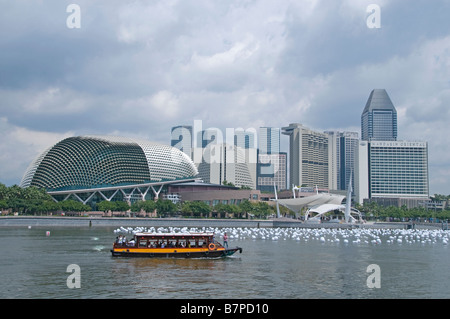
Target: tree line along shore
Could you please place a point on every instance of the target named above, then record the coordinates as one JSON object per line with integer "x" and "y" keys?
{"x": 35, "y": 201}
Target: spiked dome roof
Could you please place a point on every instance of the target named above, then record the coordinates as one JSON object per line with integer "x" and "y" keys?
{"x": 85, "y": 162}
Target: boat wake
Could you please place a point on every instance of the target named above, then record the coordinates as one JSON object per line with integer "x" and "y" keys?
{"x": 98, "y": 248}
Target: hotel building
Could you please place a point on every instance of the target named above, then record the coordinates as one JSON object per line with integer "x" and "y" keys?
{"x": 392, "y": 170}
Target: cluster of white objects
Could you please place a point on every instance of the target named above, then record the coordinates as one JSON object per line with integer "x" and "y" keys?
{"x": 325, "y": 235}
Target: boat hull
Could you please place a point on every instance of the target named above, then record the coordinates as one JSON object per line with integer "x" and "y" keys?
{"x": 126, "y": 252}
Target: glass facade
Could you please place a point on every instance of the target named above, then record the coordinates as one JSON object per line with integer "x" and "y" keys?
{"x": 379, "y": 118}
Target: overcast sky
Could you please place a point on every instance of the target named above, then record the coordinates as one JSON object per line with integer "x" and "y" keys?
{"x": 137, "y": 68}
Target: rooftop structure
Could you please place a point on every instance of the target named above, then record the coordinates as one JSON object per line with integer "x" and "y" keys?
{"x": 379, "y": 118}
{"x": 107, "y": 166}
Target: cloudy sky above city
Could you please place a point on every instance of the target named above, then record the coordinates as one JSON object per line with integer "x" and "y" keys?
{"x": 137, "y": 68}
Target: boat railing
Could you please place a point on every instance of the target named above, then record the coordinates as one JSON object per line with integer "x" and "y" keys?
{"x": 137, "y": 245}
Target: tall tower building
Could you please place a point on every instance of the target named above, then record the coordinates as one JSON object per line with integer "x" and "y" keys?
{"x": 209, "y": 136}
{"x": 230, "y": 163}
{"x": 181, "y": 138}
{"x": 342, "y": 156}
{"x": 271, "y": 163}
{"x": 308, "y": 156}
{"x": 269, "y": 140}
{"x": 244, "y": 139}
{"x": 379, "y": 118}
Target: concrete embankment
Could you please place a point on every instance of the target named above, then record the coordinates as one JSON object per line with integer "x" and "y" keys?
{"x": 19, "y": 221}
{"x": 25, "y": 221}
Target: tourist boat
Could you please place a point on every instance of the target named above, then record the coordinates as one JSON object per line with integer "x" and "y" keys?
{"x": 180, "y": 245}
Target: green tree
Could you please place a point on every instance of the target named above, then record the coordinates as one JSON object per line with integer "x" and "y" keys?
{"x": 165, "y": 206}
{"x": 262, "y": 209}
{"x": 246, "y": 206}
{"x": 3, "y": 191}
{"x": 3, "y": 204}
{"x": 106, "y": 206}
{"x": 197, "y": 208}
{"x": 121, "y": 206}
{"x": 74, "y": 206}
{"x": 48, "y": 206}
{"x": 147, "y": 206}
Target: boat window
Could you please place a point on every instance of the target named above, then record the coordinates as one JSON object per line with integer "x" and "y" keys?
{"x": 143, "y": 243}
{"x": 172, "y": 243}
{"x": 193, "y": 242}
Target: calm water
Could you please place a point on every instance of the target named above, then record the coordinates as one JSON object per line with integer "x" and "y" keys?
{"x": 34, "y": 265}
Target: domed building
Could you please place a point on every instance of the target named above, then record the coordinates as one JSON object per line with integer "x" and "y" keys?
{"x": 96, "y": 168}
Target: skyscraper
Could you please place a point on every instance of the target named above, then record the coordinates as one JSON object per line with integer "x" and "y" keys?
{"x": 269, "y": 140}
{"x": 271, "y": 163}
{"x": 181, "y": 138}
{"x": 230, "y": 163}
{"x": 308, "y": 156}
{"x": 342, "y": 157}
{"x": 379, "y": 118}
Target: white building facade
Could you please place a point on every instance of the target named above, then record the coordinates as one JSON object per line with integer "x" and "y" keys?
{"x": 392, "y": 169}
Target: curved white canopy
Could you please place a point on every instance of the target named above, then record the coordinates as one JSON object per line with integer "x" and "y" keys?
{"x": 321, "y": 210}
{"x": 325, "y": 208}
{"x": 296, "y": 204}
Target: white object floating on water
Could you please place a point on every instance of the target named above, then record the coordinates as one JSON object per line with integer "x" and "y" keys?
{"x": 359, "y": 236}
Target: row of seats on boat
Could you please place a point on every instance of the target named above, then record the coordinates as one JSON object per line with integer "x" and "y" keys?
{"x": 122, "y": 242}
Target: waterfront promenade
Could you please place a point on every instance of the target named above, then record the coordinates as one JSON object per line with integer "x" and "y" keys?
{"x": 48, "y": 221}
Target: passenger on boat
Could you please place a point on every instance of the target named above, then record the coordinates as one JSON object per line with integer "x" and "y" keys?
{"x": 225, "y": 240}
{"x": 121, "y": 240}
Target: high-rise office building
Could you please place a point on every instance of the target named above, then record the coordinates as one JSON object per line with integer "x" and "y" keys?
{"x": 271, "y": 163}
{"x": 269, "y": 140}
{"x": 342, "y": 155}
{"x": 388, "y": 171}
{"x": 181, "y": 138}
{"x": 379, "y": 118}
{"x": 245, "y": 138}
{"x": 225, "y": 162}
{"x": 209, "y": 136}
{"x": 231, "y": 158}
{"x": 308, "y": 156}
{"x": 272, "y": 169}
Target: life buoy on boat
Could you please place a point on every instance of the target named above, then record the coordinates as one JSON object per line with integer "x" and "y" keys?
{"x": 211, "y": 246}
